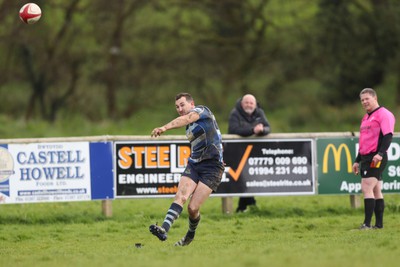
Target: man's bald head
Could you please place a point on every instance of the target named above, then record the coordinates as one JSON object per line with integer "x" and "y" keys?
{"x": 249, "y": 103}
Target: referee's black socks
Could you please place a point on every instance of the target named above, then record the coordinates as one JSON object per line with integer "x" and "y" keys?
{"x": 379, "y": 208}
{"x": 369, "y": 207}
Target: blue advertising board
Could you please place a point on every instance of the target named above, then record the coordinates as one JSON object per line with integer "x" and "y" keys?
{"x": 54, "y": 172}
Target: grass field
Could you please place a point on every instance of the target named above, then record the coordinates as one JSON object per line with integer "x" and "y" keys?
{"x": 282, "y": 231}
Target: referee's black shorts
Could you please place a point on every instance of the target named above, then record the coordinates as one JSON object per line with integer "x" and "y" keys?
{"x": 368, "y": 171}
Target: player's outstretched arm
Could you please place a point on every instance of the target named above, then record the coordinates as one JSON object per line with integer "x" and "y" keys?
{"x": 176, "y": 123}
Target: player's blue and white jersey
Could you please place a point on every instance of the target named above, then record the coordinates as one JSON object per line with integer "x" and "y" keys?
{"x": 204, "y": 136}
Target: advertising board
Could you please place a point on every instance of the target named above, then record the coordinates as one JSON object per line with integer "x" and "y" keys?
{"x": 335, "y": 157}
{"x": 256, "y": 167}
{"x": 52, "y": 172}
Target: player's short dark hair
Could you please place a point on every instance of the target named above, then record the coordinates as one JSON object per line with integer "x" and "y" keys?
{"x": 188, "y": 97}
{"x": 368, "y": 91}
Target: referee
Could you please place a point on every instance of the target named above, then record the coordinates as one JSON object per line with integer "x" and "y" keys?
{"x": 376, "y": 133}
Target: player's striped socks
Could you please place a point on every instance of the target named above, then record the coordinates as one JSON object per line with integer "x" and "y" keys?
{"x": 172, "y": 214}
{"x": 193, "y": 223}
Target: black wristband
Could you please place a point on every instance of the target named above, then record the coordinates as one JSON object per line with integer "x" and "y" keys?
{"x": 358, "y": 158}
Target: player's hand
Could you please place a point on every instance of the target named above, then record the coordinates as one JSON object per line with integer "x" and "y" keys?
{"x": 356, "y": 168}
{"x": 158, "y": 131}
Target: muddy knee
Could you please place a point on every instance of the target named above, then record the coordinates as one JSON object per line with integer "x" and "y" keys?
{"x": 193, "y": 211}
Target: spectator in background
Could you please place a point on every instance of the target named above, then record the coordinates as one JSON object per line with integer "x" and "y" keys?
{"x": 376, "y": 133}
{"x": 247, "y": 119}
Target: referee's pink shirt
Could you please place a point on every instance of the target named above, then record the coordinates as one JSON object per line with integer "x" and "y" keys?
{"x": 380, "y": 120}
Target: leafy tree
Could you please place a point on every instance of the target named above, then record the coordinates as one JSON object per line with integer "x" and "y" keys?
{"x": 110, "y": 59}
{"x": 45, "y": 58}
{"x": 357, "y": 40}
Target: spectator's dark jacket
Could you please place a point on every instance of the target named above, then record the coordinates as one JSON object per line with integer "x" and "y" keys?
{"x": 242, "y": 124}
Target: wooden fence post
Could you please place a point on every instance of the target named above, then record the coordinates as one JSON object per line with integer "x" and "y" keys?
{"x": 355, "y": 201}
{"x": 107, "y": 207}
{"x": 227, "y": 205}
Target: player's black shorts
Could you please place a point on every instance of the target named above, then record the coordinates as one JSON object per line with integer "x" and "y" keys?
{"x": 367, "y": 170}
{"x": 209, "y": 172}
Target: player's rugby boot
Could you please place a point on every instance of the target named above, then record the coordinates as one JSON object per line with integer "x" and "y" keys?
{"x": 184, "y": 241}
{"x": 158, "y": 231}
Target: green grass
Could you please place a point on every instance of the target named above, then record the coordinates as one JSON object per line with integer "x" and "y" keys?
{"x": 282, "y": 231}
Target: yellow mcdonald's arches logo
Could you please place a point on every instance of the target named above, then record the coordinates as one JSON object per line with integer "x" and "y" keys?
{"x": 337, "y": 154}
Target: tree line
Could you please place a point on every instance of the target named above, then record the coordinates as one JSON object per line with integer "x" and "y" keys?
{"x": 110, "y": 59}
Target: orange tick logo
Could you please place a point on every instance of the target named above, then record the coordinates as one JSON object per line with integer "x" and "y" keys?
{"x": 236, "y": 174}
